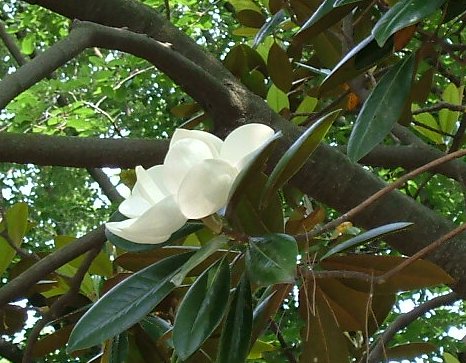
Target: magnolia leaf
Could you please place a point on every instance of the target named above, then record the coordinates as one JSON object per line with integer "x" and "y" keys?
{"x": 322, "y": 339}
{"x": 295, "y": 157}
{"x": 119, "y": 353}
{"x": 428, "y": 120}
{"x": 450, "y": 358}
{"x": 279, "y": 67}
{"x": 250, "y": 18}
{"x": 404, "y": 13}
{"x": 418, "y": 275}
{"x": 126, "y": 304}
{"x": 271, "y": 259}
{"x": 269, "y": 27}
{"x": 368, "y": 236}
{"x": 204, "y": 252}
{"x": 374, "y": 122}
{"x": 258, "y": 348}
{"x": 307, "y": 105}
{"x": 236, "y": 332}
{"x": 448, "y": 118}
{"x": 202, "y": 309}
{"x": 409, "y": 351}
{"x": 17, "y": 224}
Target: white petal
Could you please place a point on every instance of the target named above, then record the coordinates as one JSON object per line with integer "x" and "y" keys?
{"x": 214, "y": 143}
{"x": 181, "y": 157}
{"x": 134, "y": 206}
{"x": 149, "y": 184}
{"x": 154, "y": 226}
{"x": 243, "y": 141}
{"x": 205, "y": 189}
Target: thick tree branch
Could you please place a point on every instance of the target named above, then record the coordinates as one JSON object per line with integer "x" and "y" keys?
{"x": 10, "y": 351}
{"x": 21, "y": 284}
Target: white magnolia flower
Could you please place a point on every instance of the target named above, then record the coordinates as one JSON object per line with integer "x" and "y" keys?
{"x": 194, "y": 182}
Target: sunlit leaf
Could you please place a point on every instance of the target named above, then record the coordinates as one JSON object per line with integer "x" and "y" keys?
{"x": 277, "y": 99}
{"x": 448, "y": 118}
{"x": 409, "y": 351}
{"x": 367, "y": 237}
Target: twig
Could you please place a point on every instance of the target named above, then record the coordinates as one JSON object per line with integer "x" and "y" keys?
{"x": 440, "y": 106}
{"x": 379, "y": 194}
{"x": 326, "y": 109}
{"x": 285, "y": 347}
{"x": 421, "y": 253}
{"x": 107, "y": 187}
{"x": 12, "y": 46}
{"x": 58, "y": 306}
{"x": 403, "y": 321}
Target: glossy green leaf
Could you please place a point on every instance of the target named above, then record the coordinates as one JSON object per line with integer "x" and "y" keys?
{"x": 295, "y": 157}
{"x": 448, "y": 118}
{"x": 450, "y": 358}
{"x": 409, "y": 351}
{"x": 126, "y": 304}
{"x": 250, "y": 18}
{"x": 358, "y": 60}
{"x": 279, "y": 68}
{"x": 28, "y": 44}
{"x": 155, "y": 326}
{"x": 202, "y": 309}
{"x": 404, "y": 13}
{"x": 277, "y": 99}
{"x": 271, "y": 259}
{"x": 236, "y": 332}
{"x": 204, "y": 252}
{"x": 268, "y": 27}
{"x": 367, "y": 237}
{"x": 382, "y": 109}
{"x": 260, "y": 347}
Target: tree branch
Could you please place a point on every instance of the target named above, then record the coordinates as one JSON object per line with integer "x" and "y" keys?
{"x": 20, "y": 285}
{"x": 107, "y": 187}
{"x": 10, "y": 351}
{"x": 377, "y": 351}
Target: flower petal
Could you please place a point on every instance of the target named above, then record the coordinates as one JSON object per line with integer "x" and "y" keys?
{"x": 243, "y": 141}
{"x": 205, "y": 189}
{"x": 134, "y": 206}
{"x": 214, "y": 143}
{"x": 149, "y": 184}
{"x": 181, "y": 157}
{"x": 155, "y": 226}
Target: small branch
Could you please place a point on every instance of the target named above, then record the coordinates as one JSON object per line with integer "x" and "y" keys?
{"x": 378, "y": 348}
{"x": 58, "y": 306}
{"x": 379, "y": 194}
{"x": 440, "y": 106}
{"x": 326, "y": 109}
{"x": 10, "y": 351}
{"x": 285, "y": 347}
{"x": 107, "y": 187}
{"x": 20, "y": 285}
{"x": 12, "y": 46}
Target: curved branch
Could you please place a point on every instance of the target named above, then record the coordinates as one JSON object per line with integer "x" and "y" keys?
{"x": 21, "y": 284}
{"x": 377, "y": 351}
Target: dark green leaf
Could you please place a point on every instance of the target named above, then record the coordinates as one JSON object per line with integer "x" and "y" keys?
{"x": 250, "y": 18}
{"x": 295, "y": 157}
{"x": 200, "y": 256}
{"x": 268, "y": 27}
{"x": 155, "y": 326}
{"x": 271, "y": 259}
{"x": 279, "y": 68}
{"x": 401, "y": 15}
{"x": 202, "y": 309}
{"x": 17, "y": 222}
{"x": 368, "y": 237}
{"x": 358, "y": 60}
{"x": 236, "y": 333}
{"x": 126, "y": 303}
{"x": 382, "y": 109}
{"x": 119, "y": 352}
